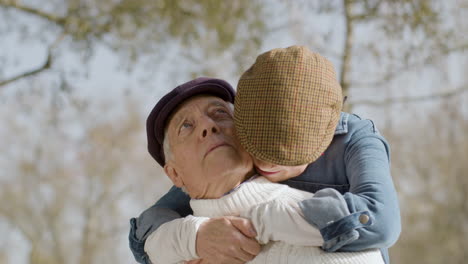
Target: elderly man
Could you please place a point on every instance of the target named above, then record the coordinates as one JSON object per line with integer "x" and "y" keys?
{"x": 203, "y": 156}
{"x": 218, "y": 231}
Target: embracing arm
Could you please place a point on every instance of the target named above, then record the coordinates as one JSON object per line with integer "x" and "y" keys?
{"x": 372, "y": 190}
{"x": 374, "y": 217}
{"x": 219, "y": 240}
{"x": 171, "y": 206}
{"x": 174, "y": 241}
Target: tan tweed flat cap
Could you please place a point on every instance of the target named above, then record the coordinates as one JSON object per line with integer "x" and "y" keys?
{"x": 287, "y": 106}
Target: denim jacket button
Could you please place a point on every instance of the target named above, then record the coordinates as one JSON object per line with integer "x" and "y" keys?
{"x": 363, "y": 219}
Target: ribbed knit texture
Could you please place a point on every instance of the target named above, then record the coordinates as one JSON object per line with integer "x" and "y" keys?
{"x": 250, "y": 193}
{"x": 260, "y": 191}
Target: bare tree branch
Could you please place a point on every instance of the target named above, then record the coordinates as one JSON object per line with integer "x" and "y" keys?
{"x": 46, "y": 65}
{"x": 346, "y": 55}
{"x": 50, "y": 17}
{"x": 412, "y": 99}
{"x": 371, "y": 11}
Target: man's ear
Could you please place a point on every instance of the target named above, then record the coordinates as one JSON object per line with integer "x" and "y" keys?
{"x": 173, "y": 174}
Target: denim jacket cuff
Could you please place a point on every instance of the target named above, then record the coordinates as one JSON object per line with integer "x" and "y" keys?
{"x": 343, "y": 231}
{"x": 137, "y": 246}
{"x": 338, "y": 242}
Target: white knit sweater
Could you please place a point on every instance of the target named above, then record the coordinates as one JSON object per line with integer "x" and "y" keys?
{"x": 287, "y": 237}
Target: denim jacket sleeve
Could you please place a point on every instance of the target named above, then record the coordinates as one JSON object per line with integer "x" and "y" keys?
{"x": 372, "y": 201}
{"x": 172, "y": 205}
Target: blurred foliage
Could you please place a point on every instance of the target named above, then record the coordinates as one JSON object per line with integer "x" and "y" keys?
{"x": 407, "y": 35}
{"x": 75, "y": 162}
{"x": 138, "y": 28}
{"x": 65, "y": 193}
{"x": 430, "y": 168}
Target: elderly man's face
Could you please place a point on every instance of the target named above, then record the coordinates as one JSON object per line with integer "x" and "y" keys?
{"x": 206, "y": 157}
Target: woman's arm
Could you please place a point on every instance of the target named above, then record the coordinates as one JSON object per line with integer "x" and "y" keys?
{"x": 371, "y": 200}
{"x": 171, "y": 206}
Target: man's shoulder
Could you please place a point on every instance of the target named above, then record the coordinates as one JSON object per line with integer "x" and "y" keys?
{"x": 353, "y": 124}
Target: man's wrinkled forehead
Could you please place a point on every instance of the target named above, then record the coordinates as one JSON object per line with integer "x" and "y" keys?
{"x": 184, "y": 108}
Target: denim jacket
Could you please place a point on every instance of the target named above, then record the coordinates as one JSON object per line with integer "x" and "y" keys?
{"x": 354, "y": 173}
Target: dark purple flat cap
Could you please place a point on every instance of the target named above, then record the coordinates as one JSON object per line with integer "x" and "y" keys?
{"x": 157, "y": 119}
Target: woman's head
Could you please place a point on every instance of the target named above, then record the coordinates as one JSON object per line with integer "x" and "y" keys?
{"x": 287, "y": 107}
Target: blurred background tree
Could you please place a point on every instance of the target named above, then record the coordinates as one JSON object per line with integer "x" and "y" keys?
{"x": 431, "y": 155}
{"x": 78, "y": 78}
{"x": 136, "y": 28}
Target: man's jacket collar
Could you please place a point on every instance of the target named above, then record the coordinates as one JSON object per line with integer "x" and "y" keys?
{"x": 342, "y": 127}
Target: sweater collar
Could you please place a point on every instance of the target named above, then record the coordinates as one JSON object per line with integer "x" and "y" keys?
{"x": 257, "y": 190}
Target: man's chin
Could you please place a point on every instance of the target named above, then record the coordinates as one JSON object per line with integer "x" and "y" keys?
{"x": 221, "y": 152}
{"x": 222, "y": 157}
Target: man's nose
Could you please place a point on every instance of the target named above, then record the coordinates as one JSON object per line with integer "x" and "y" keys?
{"x": 213, "y": 130}
{"x": 209, "y": 127}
